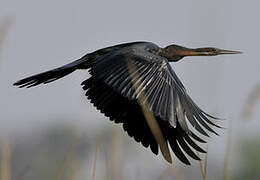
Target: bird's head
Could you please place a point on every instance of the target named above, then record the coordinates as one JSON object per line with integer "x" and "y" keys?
{"x": 176, "y": 52}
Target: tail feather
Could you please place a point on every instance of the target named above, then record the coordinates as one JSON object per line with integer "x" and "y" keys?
{"x": 49, "y": 76}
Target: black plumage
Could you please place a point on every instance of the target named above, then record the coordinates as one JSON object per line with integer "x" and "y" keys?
{"x": 116, "y": 91}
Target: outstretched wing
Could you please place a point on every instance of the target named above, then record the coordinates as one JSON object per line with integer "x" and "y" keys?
{"x": 122, "y": 110}
{"x": 131, "y": 72}
{"x": 117, "y": 82}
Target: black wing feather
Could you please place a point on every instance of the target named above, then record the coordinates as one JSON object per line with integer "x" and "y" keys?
{"x": 164, "y": 93}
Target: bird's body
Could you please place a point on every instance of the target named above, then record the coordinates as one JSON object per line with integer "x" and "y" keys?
{"x": 126, "y": 77}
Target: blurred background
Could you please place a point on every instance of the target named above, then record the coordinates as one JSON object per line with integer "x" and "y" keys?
{"x": 53, "y": 132}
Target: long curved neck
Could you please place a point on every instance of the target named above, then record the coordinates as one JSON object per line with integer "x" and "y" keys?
{"x": 175, "y": 54}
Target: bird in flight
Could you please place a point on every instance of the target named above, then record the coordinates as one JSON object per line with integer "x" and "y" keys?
{"x": 133, "y": 82}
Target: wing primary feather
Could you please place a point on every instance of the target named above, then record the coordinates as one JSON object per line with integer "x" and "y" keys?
{"x": 187, "y": 149}
{"x": 141, "y": 82}
{"x": 181, "y": 116}
{"x": 128, "y": 89}
{"x": 150, "y": 87}
{"x": 193, "y": 144}
{"x": 145, "y": 81}
{"x": 167, "y": 98}
{"x": 167, "y": 106}
{"x": 162, "y": 101}
{"x": 195, "y": 124}
{"x": 155, "y": 95}
{"x": 172, "y": 115}
{"x": 177, "y": 151}
{"x": 207, "y": 120}
{"x": 202, "y": 122}
{"x": 194, "y": 136}
{"x": 154, "y": 146}
{"x": 151, "y": 91}
{"x": 191, "y": 118}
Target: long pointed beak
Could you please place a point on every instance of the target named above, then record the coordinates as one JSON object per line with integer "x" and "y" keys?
{"x": 222, "y": 51}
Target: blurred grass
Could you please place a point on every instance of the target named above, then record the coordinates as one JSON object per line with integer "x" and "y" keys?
{"x": 173, "y": 171}
{"x": 106, "y": 164}
{"x": 206, "y": 160}
{"x": 116, "y": 153}
{"x": 95, "y": 163}
{"x": 5, "y": 143}
{"x": 5, "y": 26}
{"x": 248, "y": 159}
{"x": 114, "y": 162}
{"x": 23, "y": 173}
{"x": 54, "y": 153}
{"x": 6, "y": 160}
{"x": 203, "y": 167}
{"x": 227, "y": 168}
{"x": 67, "y": 159}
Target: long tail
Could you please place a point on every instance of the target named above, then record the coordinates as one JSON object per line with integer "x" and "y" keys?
{"x": 50, "y": 76}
